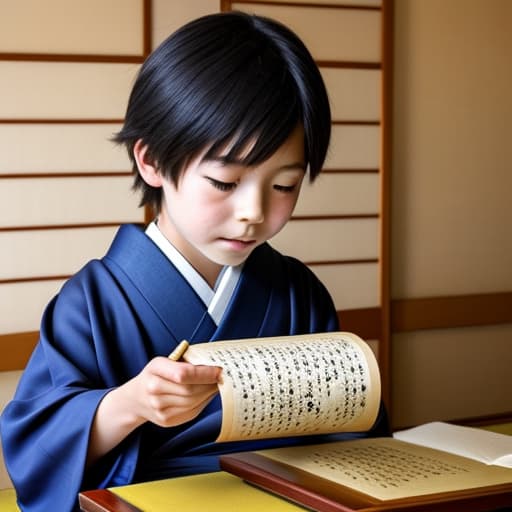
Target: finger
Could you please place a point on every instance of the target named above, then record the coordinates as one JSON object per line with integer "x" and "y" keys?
{"x": 186, "y": 373}
{"x": 166, "y": 406}
{"x": 176, "y": 415}
{"x": 180, "y": 393}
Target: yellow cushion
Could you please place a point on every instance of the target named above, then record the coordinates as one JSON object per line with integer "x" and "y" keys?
{"x": 8, "y": 501}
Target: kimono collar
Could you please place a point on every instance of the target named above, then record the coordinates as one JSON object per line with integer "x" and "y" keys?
{"x": 217, "y": 299}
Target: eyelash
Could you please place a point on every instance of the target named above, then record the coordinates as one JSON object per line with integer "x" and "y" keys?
{"x": 222, "y": 185}
{"x": 226, "y": 187}
{"x": 285, "y": 189}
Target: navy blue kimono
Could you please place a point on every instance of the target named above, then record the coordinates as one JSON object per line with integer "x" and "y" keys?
{"x": 102, "y": 328}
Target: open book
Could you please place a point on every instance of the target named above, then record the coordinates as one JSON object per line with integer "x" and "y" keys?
{"x": 474, "y": 443}
{"x": 412, "y": 471}
{"x": 293, "y": 385}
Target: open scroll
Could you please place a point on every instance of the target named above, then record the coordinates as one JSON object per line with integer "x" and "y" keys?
{"x": 293, "y": 385}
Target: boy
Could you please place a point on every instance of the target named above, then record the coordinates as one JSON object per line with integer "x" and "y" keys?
{"x": 224, "y": 121}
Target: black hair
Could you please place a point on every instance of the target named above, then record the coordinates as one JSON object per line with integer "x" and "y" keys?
{"x": 225, "y": 79}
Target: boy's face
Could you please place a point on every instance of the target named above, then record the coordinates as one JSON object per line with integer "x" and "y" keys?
{"x": 220, "y": 211}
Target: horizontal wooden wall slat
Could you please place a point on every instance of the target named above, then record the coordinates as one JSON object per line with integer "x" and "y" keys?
{"x": 91, "y": 174}
{"x": 355, "y": 122}
{"x": 348, "y": 64}
{"x": 33, "y": 279}
{"x": 337, "y": 217}
{"x": 114, "y": 223}
{"x": 68, "y": 57}
{"x": 366, "y": 322}
{"x": 64, "y": 226}
{"x": 16, "y": 348}
{"x": 351, "y": 171}
{"x": 330, "y": 5}
{"x": 308, "y": 263}
{"x": 60, "y": 121}
{"x": 407, "y": 315}
{"x": 341, "y": 262}
{"x": 449, "y": 312}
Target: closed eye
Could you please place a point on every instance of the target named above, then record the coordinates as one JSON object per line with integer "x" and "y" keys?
{"x": 285, "y": 188}
{"x": 221, "y": 185}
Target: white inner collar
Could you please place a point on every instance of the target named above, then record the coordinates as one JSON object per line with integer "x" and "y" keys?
{"x": 217, "y": 299}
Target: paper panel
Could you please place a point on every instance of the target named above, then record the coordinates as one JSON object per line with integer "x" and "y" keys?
{"x": 169, "y": 16}
{"x": 61, "y": 26}
{"x": 22, "y": 304}
{"x": 53, "y": 90}
{"x": 328, "y": 240}
{"x": 51, "y": 252}
{"x": 329, "y": 33}
{"x": 41, "y": 202}
{"x": 340, "y": 194}
{"x": 60, "y": 148}
{"x": 354, "y": 93}
{"x": 354, "y": 147}
{"x": 351, "y": 286}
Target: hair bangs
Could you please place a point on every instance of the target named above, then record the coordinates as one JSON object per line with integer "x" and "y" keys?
{"x": 257, "y": 114}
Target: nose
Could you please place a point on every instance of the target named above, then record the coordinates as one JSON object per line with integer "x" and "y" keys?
{"x": 249, "y": 206}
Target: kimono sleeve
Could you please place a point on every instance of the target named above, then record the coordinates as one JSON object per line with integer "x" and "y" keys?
{"x": 45, "y": 429}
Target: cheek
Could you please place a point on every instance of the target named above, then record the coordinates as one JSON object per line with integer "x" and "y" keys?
{"x": 280, "y": 212}
{"x": 211, "y": 210}
{"x": 203, "y": 203}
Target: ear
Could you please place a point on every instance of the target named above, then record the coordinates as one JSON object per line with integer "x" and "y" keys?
{"x": 147, "y": 169}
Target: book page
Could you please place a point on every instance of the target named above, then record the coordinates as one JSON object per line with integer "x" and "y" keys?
{"x": 386, "y": 468}
{"x": 293, "y": 385}
{"x": 485, "y": 446}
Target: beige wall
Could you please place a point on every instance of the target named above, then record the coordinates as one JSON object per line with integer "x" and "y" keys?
{"x": 451, "y": 207}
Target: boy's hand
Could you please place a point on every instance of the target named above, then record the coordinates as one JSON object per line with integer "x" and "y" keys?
{"x": 170, "y": 393}
{"x": 165, "y": 392}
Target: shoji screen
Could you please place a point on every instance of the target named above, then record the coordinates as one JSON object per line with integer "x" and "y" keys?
{"x": 66, "y": 70}
{"x": 339, "y": 227}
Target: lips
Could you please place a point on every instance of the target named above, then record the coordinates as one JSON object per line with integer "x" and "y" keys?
{"x": 248, "y": 242}
{"x": 237, "y": 243}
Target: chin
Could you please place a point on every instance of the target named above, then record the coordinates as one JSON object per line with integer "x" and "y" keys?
{"x": 231, "y": 260}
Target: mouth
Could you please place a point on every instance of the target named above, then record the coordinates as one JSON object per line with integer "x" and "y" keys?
{"x": 238, "y": 243}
